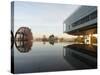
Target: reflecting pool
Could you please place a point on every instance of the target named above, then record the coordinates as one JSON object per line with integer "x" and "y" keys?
{"x": 44, "y": 56}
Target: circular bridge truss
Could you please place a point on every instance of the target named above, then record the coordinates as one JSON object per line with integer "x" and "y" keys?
{"x": 23, "y": 39}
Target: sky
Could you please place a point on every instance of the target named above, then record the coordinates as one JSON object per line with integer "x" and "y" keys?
{"x": 42, "y": 18}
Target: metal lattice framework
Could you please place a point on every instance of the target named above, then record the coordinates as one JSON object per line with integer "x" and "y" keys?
{"x": 23, "y": 39}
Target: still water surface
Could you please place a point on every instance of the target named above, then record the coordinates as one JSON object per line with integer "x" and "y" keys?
{"x": 43, "y": 57}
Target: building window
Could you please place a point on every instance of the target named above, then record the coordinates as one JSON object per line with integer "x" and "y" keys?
{"x": 87, "y": 18}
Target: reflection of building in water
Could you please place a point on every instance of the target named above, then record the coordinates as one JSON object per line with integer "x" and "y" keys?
{"x": 23, "y": 33}
{"x": 83, "y": 22}
{"x": 81, "y": 56}
{"x": 23, "y": 46}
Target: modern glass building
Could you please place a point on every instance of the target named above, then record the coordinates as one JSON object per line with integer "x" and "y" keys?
{"x": 83, "y": 22}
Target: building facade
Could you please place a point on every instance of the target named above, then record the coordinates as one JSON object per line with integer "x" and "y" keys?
{"x": 82, "y": 22}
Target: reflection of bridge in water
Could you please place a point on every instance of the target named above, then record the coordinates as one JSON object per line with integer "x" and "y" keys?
{"x": 23, "y": 46}
{"x": 81, "y": 56}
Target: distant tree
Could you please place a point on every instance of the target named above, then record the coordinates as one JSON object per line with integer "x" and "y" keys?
{"x": 51, "y": 38}
{"x": 56, "y": 39}
{"x": 44, "y": 38}
{"x": 61, "y": 39}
